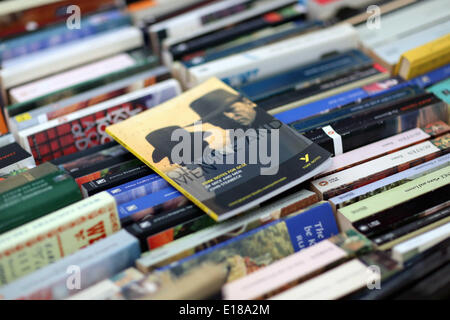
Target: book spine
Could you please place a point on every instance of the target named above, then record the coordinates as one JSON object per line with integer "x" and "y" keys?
{"x": 352, "y": 178}
{"x": 55, "y": 36}
{"x": 252, "y": 41}
{"x": 221, "y": 36}
{"x": 118, "y": 175}
{"x": 257, "y": 64}
{"x": 408, "y": 249}
{"x": 150, "y": 205}
{"x": 71, "y": 55}
{"x": 397, "y": 196}
{"x": 90, "y": 162}
{"x": 109, "y": 289}
{"x": 298, "y": 267}
{"x": 13, "y": 157}
{"x": 333, "y": 102}
{"x": 427, "y": 219}
{"x": 103, "y": 259}
{"x": 382, "y": 123}
{"x": 114, "y": 72}
{"x": 137, "y": 188}
{"x": 85, "y": 128}
{"x": 249, "y": 250}
{"x": 390, "y": 219}
{"x": 63, "y": 232}
{"x": 426, "y": 58}
{"x": 301, "y": 77}
{"x": 432, "y": 77}
{"x": 442, "y": 90}
{"x": 334, "y": 284}
{"x": 385, "y": 146}
{"x": 309, "y": 120}
{"x": 47, "y": 14}
{"x": 169, "y": 226}
{"x": 46, "y": 113}
{"x": 36, "y": 199}
{"x": 389, "y": 182}
{"x": 224, "y": 231}
{"x": 314, "y": 92}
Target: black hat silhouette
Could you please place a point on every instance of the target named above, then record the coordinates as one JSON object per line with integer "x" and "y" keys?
{"x": 213, "y": 103}
{"x": 161, "y": 140}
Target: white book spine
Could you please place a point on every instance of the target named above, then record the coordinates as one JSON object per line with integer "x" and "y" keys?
{"x": 407, "y": 249}
{"x": 368, "y": 168}
{"x": 332, "y": 284}
{"x": 44, "y": 63}
{"x": 276, "y": 58}
{"x": 404, "y": 22}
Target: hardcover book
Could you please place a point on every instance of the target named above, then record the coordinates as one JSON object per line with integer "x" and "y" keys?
{"x": 226, "y": 160}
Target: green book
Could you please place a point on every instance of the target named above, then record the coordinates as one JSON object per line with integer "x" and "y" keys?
{"x": 381, "y": 202}
{"x": 37, "y": 198}
{"x": 22, "y": 178}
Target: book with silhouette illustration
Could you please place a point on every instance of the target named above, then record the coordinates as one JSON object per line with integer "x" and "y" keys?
{"x": 220, "y": 150}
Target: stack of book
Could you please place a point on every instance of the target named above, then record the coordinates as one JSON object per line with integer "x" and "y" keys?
{"x": 232, "y": 149}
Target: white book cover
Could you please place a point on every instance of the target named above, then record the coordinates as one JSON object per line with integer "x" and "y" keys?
{"x": 71, "y": 77}
{"x": 276, "y": 58}
{"x": 53, "y": 60}
{"x": 333, "y": 284}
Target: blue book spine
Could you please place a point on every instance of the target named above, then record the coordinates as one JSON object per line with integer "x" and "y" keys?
{"x": 138, "y": 188}
{"x": 338, "y": 100}
{"x": 147, "y": 202}
{"x": 431, "y": 77}
{"x": 314, "y": 71}
{"x": 312, "y": 123}
{"x": 304, "y": 229}
{"x": 320, "y": 106}
{"x": 60, "y": 34}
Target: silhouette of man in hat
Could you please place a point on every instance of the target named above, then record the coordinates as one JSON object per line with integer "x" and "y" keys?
{"x": 161, "y": 140}
{"x": 229, "y": 111}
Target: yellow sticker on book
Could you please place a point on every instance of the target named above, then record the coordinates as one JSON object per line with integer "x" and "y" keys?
{"x": 23, "y": 117}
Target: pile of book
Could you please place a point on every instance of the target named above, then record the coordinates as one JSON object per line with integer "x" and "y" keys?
{"x": 233, "y": 149}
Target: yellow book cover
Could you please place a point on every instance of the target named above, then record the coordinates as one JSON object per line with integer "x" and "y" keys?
{"x": 219, "y": 149}
{"x": 52, "y": 237}
{"x": 423, "y": 59}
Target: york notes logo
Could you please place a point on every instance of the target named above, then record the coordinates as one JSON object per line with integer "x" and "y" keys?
{"x": 305, "y": 158}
